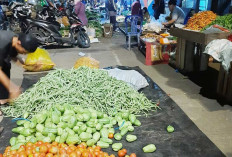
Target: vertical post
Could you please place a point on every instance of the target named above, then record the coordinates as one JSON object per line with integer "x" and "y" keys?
{"x": 197, "y": 4}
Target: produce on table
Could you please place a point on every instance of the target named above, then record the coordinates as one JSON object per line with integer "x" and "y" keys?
{"x": 97, "y": 26}
{"x": 170, "y": 129}
{"x": 133, "y": 155}
{"x": 41, "y": 149}
{"x": 118, "y": 136}
{"x": 149, "y": 148}
{"x": 85, "y": 87}
{"x": 122, "y": 153}
{"x": 72, "y": 124}
{"x": 117, "y": 146}
{"x": 131, "y": 138}
{"x": 199, "y": 20}
{"x": 224, "y": 21}
{"x": 87, "y": 61}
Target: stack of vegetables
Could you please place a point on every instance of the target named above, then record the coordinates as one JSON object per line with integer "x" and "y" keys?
{"x": 73, "y": 125}
{"x": 93, "y": 22}
{"x": 224, "y": 21}
{"x": 199, "y": 20}
{"x": 84, "y": 87}
{"x": 97, "y": 26}
{"x": 42, "y": 149}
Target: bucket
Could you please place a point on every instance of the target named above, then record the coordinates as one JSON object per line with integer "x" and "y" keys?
{"x": 108, "y": 30}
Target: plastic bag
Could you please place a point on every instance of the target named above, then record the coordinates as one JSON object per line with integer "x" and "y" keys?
{"x": 131, "y": 77}
{"x": 38, "y": 61}
{"x": 221, "y": 50}
{"x": 87, "y": 61}
{"x": 65, "y": 21}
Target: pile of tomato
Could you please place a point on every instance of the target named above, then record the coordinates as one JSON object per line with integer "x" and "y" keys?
{"x": 41, "y": 149}
{"x": 44, "y": 149}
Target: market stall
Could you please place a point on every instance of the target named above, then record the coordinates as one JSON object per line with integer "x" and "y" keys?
{"x": 157, "y": 48}
{"x": 201, "y": 29}
{"x": 172, "y": 132}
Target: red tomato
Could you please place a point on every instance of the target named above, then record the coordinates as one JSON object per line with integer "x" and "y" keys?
{"x": 36, "y": 154}
{"x": 124, "y": 150}
{"x": 121, "y": 153}
{"x": 29, "y": 151}
{"x": 73, "y": 154}
{"x": 133, "y": 155}
{"x": 43, "y": 149}
{"x": 39, "y": 143}
{"x": 78, "y": 152}
{"x": 53, "y": 150}
{"x": 63, "y": 155}
{"x": 69, "y": 151}
{"x": 62, "y": 151}
{"x": 22, "y": 154}
{"x": 49, "y": 155}
{"x": 29, "y": 144}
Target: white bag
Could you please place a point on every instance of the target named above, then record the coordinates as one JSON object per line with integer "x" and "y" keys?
{"x": 132, "y": 77}
{"x": 221, "y": 50}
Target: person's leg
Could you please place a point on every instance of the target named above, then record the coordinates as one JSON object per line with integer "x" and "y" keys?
{"x": 114, "y": 22}
{"x": 4, "y": 94}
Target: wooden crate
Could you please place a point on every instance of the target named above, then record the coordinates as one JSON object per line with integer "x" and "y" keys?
{"x": 190, "y": 48}
{"x": 224, "y": 86}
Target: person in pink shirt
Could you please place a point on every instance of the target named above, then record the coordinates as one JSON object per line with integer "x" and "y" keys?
{"x": 80, "y": 11}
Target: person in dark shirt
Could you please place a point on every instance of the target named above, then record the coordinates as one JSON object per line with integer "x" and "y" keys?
{"x": 10, "y": 46}
{"x": 159, "y": 8}
{"x": 136, "y": 8}
{"x": 112, "y": 9}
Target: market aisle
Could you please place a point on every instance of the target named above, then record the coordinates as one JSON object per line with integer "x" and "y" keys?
{"x": 213, "y": 119}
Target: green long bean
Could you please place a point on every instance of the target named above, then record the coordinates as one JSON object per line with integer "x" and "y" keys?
{"x": 83, "y": 86}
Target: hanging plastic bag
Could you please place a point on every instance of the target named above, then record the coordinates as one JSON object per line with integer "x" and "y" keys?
{"x": 87, "y": 61}
{"x": 38, "y": 61}
{"x": 65, "y": 21}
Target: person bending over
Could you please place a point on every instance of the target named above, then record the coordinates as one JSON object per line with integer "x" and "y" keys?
{"x": 10, "y": 46}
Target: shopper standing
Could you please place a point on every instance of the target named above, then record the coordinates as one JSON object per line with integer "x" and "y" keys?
{"x": 159, "y": 8}
{"x": 136, "y": 8}
{"x": 177, "y": 14}
{"x": 80, "y": 12}
{"x": 111, "y": 6}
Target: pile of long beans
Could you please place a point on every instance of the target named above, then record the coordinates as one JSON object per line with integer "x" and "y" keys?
{"x": 83, "y": 86}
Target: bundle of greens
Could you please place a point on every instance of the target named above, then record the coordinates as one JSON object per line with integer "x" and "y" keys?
{"x": 97, "y": 26}
{"x": 224, "y": 21}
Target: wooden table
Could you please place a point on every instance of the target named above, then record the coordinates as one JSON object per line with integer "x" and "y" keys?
{"x": 190, "y": 48}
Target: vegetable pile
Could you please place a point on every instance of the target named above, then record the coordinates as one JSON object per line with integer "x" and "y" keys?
{"x": 41, "y": 149}
{"x": 199, "y": 20}
{"x": 94, "y": 23}
{"x": 85, "y": 87}
{"x": 97, "y": 26}
{"x": 224, "y": 21}
{"x": 72, "y": 125}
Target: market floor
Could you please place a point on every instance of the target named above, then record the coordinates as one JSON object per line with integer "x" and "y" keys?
{"x": 211, "y": 118}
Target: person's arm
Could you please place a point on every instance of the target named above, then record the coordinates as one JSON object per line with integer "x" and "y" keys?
{"x": 169, "y": 22}
{"x": 14, "y": 90}
{"x": 173, "y": 20}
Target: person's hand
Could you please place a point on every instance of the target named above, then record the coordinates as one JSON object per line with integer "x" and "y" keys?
{"x": 165, "y": 23}
{"x": 14, "y": 93}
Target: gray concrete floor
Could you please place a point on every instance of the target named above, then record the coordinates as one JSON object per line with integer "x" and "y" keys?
{"x": 211, "y": 118}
